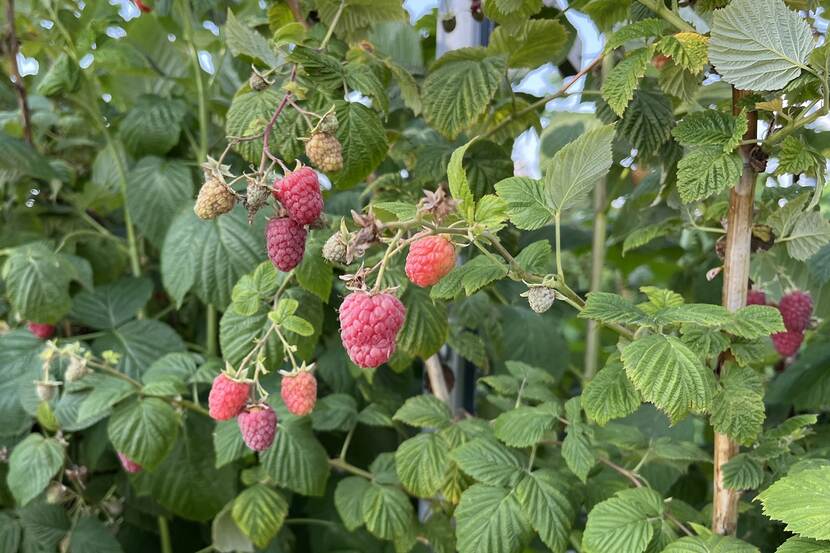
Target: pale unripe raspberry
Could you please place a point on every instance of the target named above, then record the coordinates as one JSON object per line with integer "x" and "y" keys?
{"x": 128, "y": 464}
{"x": 796, "y": 310}
{"x": 258, "y": 424}
{"x": 429, "y": 260}
{"x": 299, "y": 193}
{"x": 76, "y": 370}
{"x": 227, "y": 397}
{"x": 369, "y": 325}
{"x": 43, "y": 331}
{"x": 299, "y": 392}
{"x": 214, "y": 199}
{"x": 285, "y": 240}
{"x": 335, "y": 250}
{"x": 540, "y": 298}
{"x": 325, "y": 152}
{"x": 787, "y": 343}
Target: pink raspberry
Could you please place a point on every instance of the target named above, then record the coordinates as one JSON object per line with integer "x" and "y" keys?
{"x": 787, "y": 343}
{"x": 299, "y": 392}
{"x": 128, "y": 464}
{"x": 796, "y": 309}
{"x": 756, "y": 297}
{"x": 299, "y": 193}
{"x": 227, "y": 397}
{"x": 285, "y": 240}
{"x": 369, "y": 325}
{"x": 258, "y": 424}
{"x": 429, "y": 260}
{"x": 43, "y": 331}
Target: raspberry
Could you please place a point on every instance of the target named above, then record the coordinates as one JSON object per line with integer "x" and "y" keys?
{"x": 299, "y": 193}
{"x": 256, "y": 196}
{"x": 299, "y": 392}
{"x": 540, "y": 298}
{"x": 369, "y": 325}
{"x": 227, "y": 397}
{"x": 756, "y": 297}
{"x": 429, "y": 260}
{"x": 258, "y": 424}
{"x": 285, "y": 240}
{"x": 214, "y": 199}
{"x": 335, "y": 250}
{"x": 787, "y": 343}
{"x": 43, "y": 331}
{"x": 329, "y": 123}
{"x": 128, "y": 464}
{"x": 796, "y": 310}
{"x": 324, "y": 151}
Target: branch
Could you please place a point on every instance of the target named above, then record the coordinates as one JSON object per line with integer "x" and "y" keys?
{"x": 19, "y": 87}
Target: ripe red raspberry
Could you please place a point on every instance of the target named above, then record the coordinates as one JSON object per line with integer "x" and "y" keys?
{"x": 787, "y": 343}
{"x": 796, "y": 310}
{"x": 41, "y": 330}
{"x": 429, "y": 260}
{"x": 756, "y": 297}
{"x": 128, "y": 464}
{"x": 227, "y": 397}
{"x": 258, "y": 424}
{"x": 369, "y": 325}
{"x": 285, "y": 240}
{"x": 299, "y": 392}
{"x": 299, "y": 193}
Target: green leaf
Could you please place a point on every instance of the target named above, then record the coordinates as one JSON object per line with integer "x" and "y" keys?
{"x": 711, "y": 128}
{"x": 62, "y": 77}
{"x": 531, "y": 44}
{"x": 669, "y": 375}
{"x": 527, "y": 205}
{"x": 37, "y": 282}
{"x": 243, "y": 41}
{"x": 611, "y": 308}
{"x": 227, "y": 442}
{"x": 688, "y": 50}
{"x": 706, "y": 171}
{"x": 363, "y": 137}
{"x": 298, "y": 325}
{"x": 738, "y": 411}
{"x": 10, "y": 533}
{"x": 208, "y": 257}
{"x": 421, "y": 463}
{"x": 490, "y": 520}
{"x": 704, "y": 342}
{"x": 676, "y": 81}
{"x": 803, "y": 545}
{"x": 20, "y": 157}
{"x": 545, "y": 503}
{"x": 625, "y": 522}
{"x": 424, "y": 411}
{"x": 252, "y": 290}
{"x": 710, "y": 544}
{"x": 314, "y": 273}
{"x": 576, "y": 447}
{"x": 743, "y": 472}
{"x": 610, "y": 395}
{"x": 144, "y": 430}
{"x": 348, "y": 499}
{"x": 152, "y": 126}
{"x": 259, "y": 512}
{"x": 157, "y": 189}
{"x": 525, "y": 426}
{"x": 139, "y": 343}
{"x": 488, "y": 461}
{"x": 648, "y": 121}
{"x": 248, "y": 115}
{"x": 297, "y": 461}
{"x": 111, "y": 305}
{"x": 334, "y": 412}
{"x": 810, "y": 233}
{"x": 511, "y": 11}
{"x": 491, "y": 212}
{"x": 797, "y": 157}
{"x": 641, "y": 236}
{"x": 425, "y": 329}
{"x": 537, "y": 257}
{"x": 410, "y": 94}
{"x": 700, "y": 314}
{"x": 91, "y": 536}
{"x": 32, "y": 464}
{"x": 459, "y": 88}
{"x": 470, "y": 277}
{"x": 360, "y": 17}
{"x": 575, "y": 169}
{"x": 105, "y": 393}
{"x": 642, "y": 29}
{"x": 755, "y": 321}
{"x": 618, "y": 88}
{"x": 459, "y": 187}
{"x": 802, "y": 502}
{"x": 387, "y": 512}
{"x": 759, "y": 44}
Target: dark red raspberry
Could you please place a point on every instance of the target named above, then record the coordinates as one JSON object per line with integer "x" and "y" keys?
{"x": 227, "y": 397}
{"x": 128, "y": 464}
{"x": 429, "y": 260}
{"x": 258, "y": 424}
{"x": 43, "y": 331}
{"x": 299, "y": 193}
{"x": 796, "y": 310}
{"x": 787, "y": 343}
{"x": 285, "y": 240}
{"x": 299, "y": 392}
{"x": 369, "y": 325}
{"x": 756, "y": 297}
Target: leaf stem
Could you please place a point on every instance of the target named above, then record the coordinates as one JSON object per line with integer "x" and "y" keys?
{"x": 658, "y": 7}
{"x": 164, "y": 535}
{"x": 333, "y": 24}
{"x": 344, "y": 466}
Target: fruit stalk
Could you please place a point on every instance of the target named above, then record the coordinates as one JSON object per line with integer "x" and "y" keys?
{"x": 735, "y": 286}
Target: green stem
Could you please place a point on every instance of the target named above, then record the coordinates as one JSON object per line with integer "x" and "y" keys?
{"x": 334, "y": 21}
{"x": 346, "y": 442}
{"x": 344, "y": 466}
{"x": 210, "y": 321}
{"x": 658, "y": 7}
{"x": 200, "y": 87}
{"x": 317, "y": 521}
{"x": 532, "y": 457}
{"x": 557, "y": 219}
{"x": 164, "y": 535}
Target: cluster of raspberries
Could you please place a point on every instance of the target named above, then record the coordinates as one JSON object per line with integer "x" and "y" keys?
{"x": 257, "y": 421}
{"x": 300, "y": 196}
{"x": 797, "y": 311}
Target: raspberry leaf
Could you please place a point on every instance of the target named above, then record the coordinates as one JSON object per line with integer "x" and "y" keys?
{"x": 610, "y": 395}
{"x": 625, "y": 522}
{"x": 424, "y": 411}
{"x": 490, "y": 520}
{"x": 544, "y": 498}
{"x": 259, "y": 512}
{"x": 144, "y": 430}
{"x": 32, "y": 465}
{"x": 421, "y": 463}
{"x": 801, "y": 500}
{"x": 297, "y": 460}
